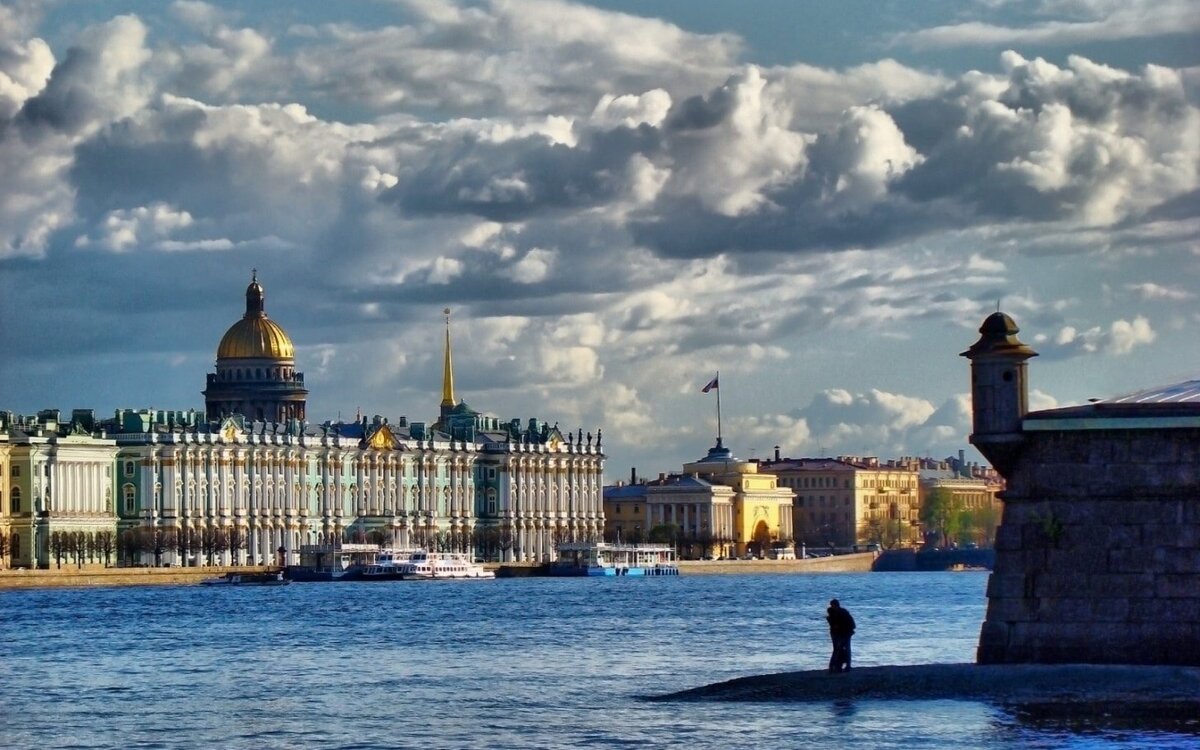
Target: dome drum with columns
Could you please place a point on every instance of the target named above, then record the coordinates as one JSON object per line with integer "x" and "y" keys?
{"x": 256, "y": 369}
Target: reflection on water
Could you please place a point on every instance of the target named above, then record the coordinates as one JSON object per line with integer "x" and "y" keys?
{"x": 508, "y": 663}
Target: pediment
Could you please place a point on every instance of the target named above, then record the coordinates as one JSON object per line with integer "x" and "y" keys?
{"x": 230, "y": 430}
{"x": 383, "y": 439}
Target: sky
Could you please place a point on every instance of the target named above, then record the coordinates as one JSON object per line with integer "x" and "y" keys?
{"x": 821, "y": 201}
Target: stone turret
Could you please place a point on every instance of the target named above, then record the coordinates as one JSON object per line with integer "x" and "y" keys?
{"x": 999, "y": 388}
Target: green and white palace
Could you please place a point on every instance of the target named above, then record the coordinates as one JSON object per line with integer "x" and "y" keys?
{"x": 249, "y": 480}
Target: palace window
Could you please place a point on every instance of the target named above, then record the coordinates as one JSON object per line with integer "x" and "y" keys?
{"x": 129, "y": 468}
{"x": 130, "y": 499}
{"x": 16, "y": 500}
{"x": 14, "y": 546}
{"x": 16, "y": 471}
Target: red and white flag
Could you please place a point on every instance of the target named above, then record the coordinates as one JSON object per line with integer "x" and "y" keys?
{"x": 711, "y": 385}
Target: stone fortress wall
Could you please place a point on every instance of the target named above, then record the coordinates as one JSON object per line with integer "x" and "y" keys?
{"x": 1098, "y": 554}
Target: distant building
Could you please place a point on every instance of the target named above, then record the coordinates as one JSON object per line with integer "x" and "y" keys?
{"x": 959, "y": 502}
{"x": 250, "y": 476}
{"x": 57, "y": 481}
{"x": 719, "y": 505}
{"x": 1098, "y": 552}
{"x": 851, "y": 500}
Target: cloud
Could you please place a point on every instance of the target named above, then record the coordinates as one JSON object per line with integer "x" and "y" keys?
{"x": 100, "y": 80}
{"x": 122, "y": 230}
{"x": 1151, "y": 291}
{"x": 1120, "y": 338}
{"x": 532, "y": 268}
{"x": 1108, "y": 21}
{"x": 520, "y": 57}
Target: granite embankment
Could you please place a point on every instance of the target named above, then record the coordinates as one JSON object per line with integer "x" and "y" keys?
{"x": 99, "y": 576}
{"x": 855, "y": 563}
{"x": 1082, "y": 688}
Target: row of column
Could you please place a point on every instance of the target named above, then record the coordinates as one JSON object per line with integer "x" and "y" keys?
{"x": 79, "y": 487}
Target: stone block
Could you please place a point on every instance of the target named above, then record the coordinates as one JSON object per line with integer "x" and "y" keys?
{"x": 1131, "y": 561}
{"x": 1110, "y": 610}
{"x": 1178, "y": 560}
{"x": 1008, "y": 537}
{"x": 1121, "y": 585}
{"x": 1122, "y": 536}
{"x": 1058, "y": 584}
{"x": 1011, "y": 610}
{"x": 1078, "y": 560}
{"x": 1191, "y": 509}
{"x": 1005, "y": 586}
{"x": 1176, "y": 585}
{"x": 1166, "y": 612}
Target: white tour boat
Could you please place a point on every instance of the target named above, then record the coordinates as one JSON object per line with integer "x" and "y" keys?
{"x": 430, "y": 566}
{"x": 604, "y": 559}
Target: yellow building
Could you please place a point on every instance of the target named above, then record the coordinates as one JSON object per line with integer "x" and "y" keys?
{"x": 850, "y": 500}
{"x": 720, "y": 505}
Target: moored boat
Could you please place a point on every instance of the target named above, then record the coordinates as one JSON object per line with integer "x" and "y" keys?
{"x": 604, "y": 559}
{"x": 333, "y": 562}
{"x": 388, "y": 565}
{"x": 248, "y": 579}
{"x": 429, "y": 566}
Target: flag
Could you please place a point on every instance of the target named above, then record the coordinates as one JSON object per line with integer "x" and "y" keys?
{"x": 711, "y": 385}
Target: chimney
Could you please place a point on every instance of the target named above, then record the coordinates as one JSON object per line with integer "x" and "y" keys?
{"x": 633, "y": 475}
{"x": 777, "y": 453}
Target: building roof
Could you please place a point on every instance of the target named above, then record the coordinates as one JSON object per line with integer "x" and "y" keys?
{"x": 1177, "y": 403}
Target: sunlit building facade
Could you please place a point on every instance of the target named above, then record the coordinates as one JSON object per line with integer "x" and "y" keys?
{"x": 719, "y": 505}
{"x": 852, "y": 500}
{"x": 57, "y": 479}
{"x": 251, "y": 480}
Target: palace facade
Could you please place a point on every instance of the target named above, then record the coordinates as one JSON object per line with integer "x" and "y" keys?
{"x": 250, "y": 480}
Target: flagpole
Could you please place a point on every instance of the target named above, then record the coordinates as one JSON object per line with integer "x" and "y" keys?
{"x": 718, "y": 408}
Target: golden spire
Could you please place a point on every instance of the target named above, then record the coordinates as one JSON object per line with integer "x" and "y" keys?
{"x": 447, "y": 368}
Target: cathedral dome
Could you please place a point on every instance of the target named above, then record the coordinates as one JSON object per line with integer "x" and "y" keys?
{"x": 255, "y": 336}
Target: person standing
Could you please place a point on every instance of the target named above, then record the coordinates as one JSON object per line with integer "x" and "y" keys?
{"x": 841, "y": 628}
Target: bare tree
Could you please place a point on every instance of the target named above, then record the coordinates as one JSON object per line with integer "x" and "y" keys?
{"x": 3, "y": 549}
{"x": 129, "y": 546}
{"x": 212, "y": 541}
{"x": 59, "y": 546}
{"x": 505, "y": 540}
{"x": 235, "y": 541}
{"x": 79, "y": 547}
{"x": 104, "y": 546}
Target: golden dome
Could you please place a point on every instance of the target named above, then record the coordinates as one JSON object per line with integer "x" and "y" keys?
{"x": 255, "y": 336}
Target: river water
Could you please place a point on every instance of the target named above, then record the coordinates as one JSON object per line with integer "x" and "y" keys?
{"x": 520, "y": 663}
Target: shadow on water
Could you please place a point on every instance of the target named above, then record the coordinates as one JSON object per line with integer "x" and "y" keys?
{"x": 1110, "y": 718}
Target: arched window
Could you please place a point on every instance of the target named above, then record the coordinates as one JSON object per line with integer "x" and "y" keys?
{"x": 14, "y": 546}
{"x": 15, "y": 500}
{"x": 129, "y": 495}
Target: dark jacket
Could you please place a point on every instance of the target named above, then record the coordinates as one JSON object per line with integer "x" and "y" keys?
{"x": 841, "y": 624}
